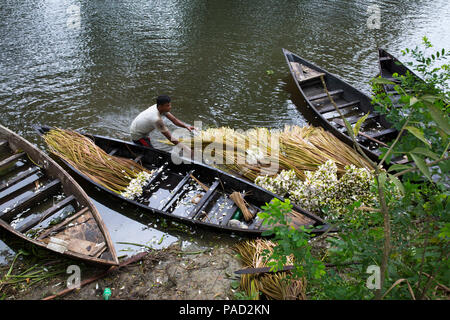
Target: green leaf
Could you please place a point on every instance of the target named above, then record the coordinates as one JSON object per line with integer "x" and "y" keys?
{"x": 359, "y": 123}
{"x": 421, "y": 165}
{"x": 234, "y": 284}
{"x": 418, "y": 133}
{"x": 429, "y": 98}
{"x": 439, "y": 118}
{"x": 382, "y": 178}
{"x": 441, "y": 132}
{"x": 445, "y": 231}
{"x": 382, "y": 81}
{"x": 348, "y": 126}
{"x": 413, "y": 101}
{"x": 425, "y": 152}
{"x": 397, "y": 183}
{"x": 398, "y": 167}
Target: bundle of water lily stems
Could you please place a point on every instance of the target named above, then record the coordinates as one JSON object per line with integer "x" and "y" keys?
{"x": 272, "y": 285}
{"x": 270, "y": 151}
{"x": 112, "y": 172}
{"x": 238, "y": 199}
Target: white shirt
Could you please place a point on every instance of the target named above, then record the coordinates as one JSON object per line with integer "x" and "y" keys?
{"x": 147, "y": 121}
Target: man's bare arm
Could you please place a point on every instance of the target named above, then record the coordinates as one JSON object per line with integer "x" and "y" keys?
{"x": 177, "y": 122}
{"x": 169, "y": 136}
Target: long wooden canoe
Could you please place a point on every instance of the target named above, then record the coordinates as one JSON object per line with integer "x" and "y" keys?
{"x": 389, "y": 65}
{"x": 43, "y": 204}
{"x": 353, "y": 104}
{"x": 174, "y": 192}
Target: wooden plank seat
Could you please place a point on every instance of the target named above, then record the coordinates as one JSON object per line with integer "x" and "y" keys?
{"x": 49, "y": 212}
{"x": 175, "y": 194}
{"x": 207, "y": 197}
{"x": 354, "y": 119}
{"x": 156, "y": 174}
{"x": 113, "y": 151}
{"x": 333, "y": 114}
{"x": 28, "y": 201}
{"x": 393, "y": 79}
{"x": 229, "y": 214}
{"x": 11, "y": 159}
{"x": 22, "y": 189}
{"x": 138, "y": 158}
{"x": 305, "y": 74}
{"x": 22, "y": 176}
{"x": 325, "y": 95}
{"x": 381, "y": 133}
{"x": 330, "y": 107}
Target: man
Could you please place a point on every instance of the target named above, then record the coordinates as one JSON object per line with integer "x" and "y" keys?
{"x": 151, "y": 119}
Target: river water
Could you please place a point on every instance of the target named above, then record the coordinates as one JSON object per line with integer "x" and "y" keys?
{"x": 94, "y": 65}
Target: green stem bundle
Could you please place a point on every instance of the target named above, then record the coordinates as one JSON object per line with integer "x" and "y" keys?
{"x": 114, "y": 173}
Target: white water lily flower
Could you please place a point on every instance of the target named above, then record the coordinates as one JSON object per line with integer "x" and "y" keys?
{"x": 322, "y": 188}
{"x": 136, "y": 186}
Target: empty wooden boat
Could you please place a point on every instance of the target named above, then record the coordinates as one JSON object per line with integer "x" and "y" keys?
{"x": 43, "y": 204}
{"x": 352, "y": 103}
{"x": 388, "y": 66}
{"x": 174, "y": 191}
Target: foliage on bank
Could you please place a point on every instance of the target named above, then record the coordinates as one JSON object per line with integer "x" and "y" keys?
{"x": 405, "y": 235}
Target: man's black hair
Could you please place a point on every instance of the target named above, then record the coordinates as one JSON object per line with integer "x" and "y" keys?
{"x": 162, "y": 100}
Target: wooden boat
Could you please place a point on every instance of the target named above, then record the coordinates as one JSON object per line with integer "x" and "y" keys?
{"x": 174, "y": 192}
{"x": 388, "y": 65}
{"x": 353, "y": 104}
{"x": 43, "y": 204}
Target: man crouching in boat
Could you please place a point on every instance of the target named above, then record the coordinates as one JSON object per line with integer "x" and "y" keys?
{"x": 151, "y": 119}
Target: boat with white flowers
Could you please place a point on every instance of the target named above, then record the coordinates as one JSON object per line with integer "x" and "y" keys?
{"x": 190, "y": 191}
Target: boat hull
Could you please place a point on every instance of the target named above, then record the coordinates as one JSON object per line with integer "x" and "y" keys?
{"x": 376, "y": 130}
{"x": 31, "y": 178}
{"x": 178, "y": 173}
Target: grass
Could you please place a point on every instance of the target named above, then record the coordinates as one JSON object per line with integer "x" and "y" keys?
{"x": 39, "y": 266}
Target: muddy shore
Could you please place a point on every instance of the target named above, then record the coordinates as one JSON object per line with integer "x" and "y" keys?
{"x": 175, "y": 272}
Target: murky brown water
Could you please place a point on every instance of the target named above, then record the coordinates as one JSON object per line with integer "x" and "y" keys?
{"x": 220, "y": 61}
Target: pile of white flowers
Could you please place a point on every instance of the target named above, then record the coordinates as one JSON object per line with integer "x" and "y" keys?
{"x": 322, "y": 188}
{"x": 136, "y": 185}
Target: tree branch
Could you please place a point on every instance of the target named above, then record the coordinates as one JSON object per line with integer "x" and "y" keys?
{"x": 429, "y": 164}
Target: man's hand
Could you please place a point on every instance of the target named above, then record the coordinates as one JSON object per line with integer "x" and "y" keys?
{"x": 170, "y": 138}
{"x": 179, "y": 123}
{"x": 191, "y": 128}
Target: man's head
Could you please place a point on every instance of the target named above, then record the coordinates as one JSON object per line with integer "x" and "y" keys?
{"x": 163, "y": 104}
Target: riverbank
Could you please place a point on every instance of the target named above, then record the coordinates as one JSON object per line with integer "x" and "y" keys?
{"x": 189, "y": 273}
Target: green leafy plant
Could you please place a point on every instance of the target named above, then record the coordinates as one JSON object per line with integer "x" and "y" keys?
{"x": 290, "y": 241}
